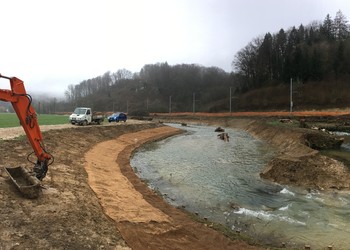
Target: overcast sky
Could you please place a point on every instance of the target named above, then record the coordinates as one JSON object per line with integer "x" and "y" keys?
{"x": 51, "y": 44}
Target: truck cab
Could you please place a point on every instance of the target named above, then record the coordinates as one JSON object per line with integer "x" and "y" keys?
{"x": 84, "y": 116}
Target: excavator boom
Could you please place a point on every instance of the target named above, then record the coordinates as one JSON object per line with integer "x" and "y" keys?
{"x": 22, "y": 104}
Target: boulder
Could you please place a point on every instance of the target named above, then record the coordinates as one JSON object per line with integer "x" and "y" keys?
{"x": 223, "y": 136}
{"x": 219, "y": 129}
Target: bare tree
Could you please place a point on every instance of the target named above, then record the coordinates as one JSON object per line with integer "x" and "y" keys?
{"x": 121, "y": 74}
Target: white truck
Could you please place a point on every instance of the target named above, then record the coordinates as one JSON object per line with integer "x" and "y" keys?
{"x": 84, "y": 116}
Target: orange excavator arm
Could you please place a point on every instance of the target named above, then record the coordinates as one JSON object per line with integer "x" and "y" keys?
{"x": 22, "y": 104}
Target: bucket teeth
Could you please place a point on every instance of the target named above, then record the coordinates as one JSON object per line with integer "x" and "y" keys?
{"x": 40, "y": 170}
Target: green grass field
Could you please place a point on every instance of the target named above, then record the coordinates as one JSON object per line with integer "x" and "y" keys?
{"x": 8, "y": 120}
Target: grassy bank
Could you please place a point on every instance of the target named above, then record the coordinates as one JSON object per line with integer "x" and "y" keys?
{"x": 8, "y": 120}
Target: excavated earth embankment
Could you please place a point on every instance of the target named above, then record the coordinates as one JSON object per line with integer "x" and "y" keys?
{"x": 298, "y": 161}
{"x": 93, "y": 200}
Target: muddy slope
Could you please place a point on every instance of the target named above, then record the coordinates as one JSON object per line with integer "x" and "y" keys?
{"x": 68, "y": 215}
{"x": 298, "y": 164}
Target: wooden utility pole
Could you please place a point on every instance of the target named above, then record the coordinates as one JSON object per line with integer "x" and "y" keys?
{"x": 291, "y": 95}
{"x": 194, "y": 103}
{"x": 169, "y": 104}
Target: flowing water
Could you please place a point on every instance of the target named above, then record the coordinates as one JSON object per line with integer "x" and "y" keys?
{"x": 220, "y": 181}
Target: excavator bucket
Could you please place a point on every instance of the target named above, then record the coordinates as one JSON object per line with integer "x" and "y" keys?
{"x": 25, "y": 182}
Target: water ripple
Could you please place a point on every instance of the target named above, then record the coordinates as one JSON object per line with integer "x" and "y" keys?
{"x": 220, "y": 180}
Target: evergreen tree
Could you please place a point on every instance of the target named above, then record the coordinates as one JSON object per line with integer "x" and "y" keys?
{"x": 327, "y": 29}
{"x": 341, "y": 29}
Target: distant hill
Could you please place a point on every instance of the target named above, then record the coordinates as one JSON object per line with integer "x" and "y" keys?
{"x": 315, "y": 58}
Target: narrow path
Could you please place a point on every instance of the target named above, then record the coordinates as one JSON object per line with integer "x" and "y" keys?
{"x": 142, "y": 217}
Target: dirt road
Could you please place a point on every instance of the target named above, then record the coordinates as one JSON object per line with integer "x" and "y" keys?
{"x": 93, "y": 200}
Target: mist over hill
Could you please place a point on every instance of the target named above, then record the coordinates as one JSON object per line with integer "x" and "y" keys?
{"x": 309, "y": 63}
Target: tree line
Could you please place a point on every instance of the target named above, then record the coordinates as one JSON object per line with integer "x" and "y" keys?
{"x": 153, "y": 88}
{"x": 307, "y": 53}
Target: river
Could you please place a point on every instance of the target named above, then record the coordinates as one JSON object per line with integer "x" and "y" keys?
{"x": 220, "y": 181}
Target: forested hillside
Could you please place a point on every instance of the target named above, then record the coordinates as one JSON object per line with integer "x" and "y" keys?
{"x": 156, "y": 88}
{"x": 314, "y": 57}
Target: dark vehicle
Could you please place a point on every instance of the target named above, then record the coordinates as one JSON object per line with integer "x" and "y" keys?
{"x": 117, "y": 117}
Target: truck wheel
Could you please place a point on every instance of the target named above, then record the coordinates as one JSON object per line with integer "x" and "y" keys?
{"x": 85, "y": 123}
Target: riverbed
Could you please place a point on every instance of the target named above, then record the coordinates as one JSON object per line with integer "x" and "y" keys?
{"x": 220, "y": 181}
